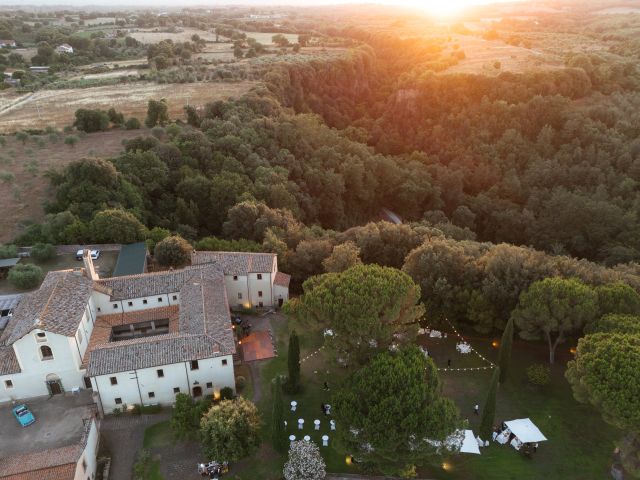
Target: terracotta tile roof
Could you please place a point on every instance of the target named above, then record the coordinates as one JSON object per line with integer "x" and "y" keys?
{"x": 57, "y": 306}
{"x": 61, "y": 472}
{"x": 104, "y": 323}
{"x": 282, "y": 279}
{"x": 150, "y": 352}
{"x": 204, "y": 308}
{"x": 237, "y": 263}
{"x": 41, "y": 465}
{"x": 147, "y": 284}
{"x": 8, "y": 361}
{"x": 204, "y": 331}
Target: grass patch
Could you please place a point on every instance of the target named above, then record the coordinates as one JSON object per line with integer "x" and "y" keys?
{"x": 158, "y": 436}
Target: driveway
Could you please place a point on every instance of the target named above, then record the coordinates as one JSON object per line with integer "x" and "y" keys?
{"x": 58, "y": 423}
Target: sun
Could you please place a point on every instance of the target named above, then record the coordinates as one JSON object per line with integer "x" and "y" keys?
{"x": 442, "y": 8}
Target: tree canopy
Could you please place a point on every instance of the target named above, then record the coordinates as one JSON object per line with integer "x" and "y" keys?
{"x": 390, "y": 407}
{"x": 367, "y": 307}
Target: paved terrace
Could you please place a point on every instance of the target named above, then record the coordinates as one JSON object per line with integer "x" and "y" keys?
{"x": 104, "y": 323}
{"x": 58, "y": 424}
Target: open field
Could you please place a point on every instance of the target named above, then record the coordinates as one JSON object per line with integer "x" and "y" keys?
{"x": 155, "y": 36}
{"x": 57, "y": 107}
{"x": 482, "y": 55}
{"x": 22, "y": 198}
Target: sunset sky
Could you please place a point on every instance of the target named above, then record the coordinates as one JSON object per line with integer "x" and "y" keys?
{"x": 437, "y": 7}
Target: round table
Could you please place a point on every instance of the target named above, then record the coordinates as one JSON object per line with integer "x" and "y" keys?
{"x": 300, "y": 423}
{"x": 307, "y": 438}
{"x": 333, "y": 424}
{"x": 292, "y": 438}
{"x": 294, "y": 405}
{"x": 325, "y": 440}
{"x": 317, "y": 424}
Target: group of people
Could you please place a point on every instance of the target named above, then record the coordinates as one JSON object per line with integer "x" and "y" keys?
{"x": 213, "y": 469}
{"x": 503, "y": 436}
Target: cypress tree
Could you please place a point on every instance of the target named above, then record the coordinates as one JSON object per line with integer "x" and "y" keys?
{"x": 505, "y": 350}
{"x": 293, "y": 361}
{"x": 278, "y": 433}
{"x": 489, "y": 409}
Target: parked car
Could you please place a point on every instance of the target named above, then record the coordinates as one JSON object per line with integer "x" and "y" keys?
{"x": 95, "y": 254}
{"x": 23, "y": 415}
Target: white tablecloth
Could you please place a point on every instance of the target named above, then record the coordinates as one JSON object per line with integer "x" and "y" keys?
{"x": 463, "y": 347}
{"x": 435, "y": 334}
{"x": 503, "y": 437}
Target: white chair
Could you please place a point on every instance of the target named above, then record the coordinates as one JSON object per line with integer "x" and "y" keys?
{"x": 316, "y": 423}
{"x": 294, "y": 405}
{"x": 325, "y": 440}
{"x": 333, "y": 424}
{"x": 300, "y": 423}
{"x": 307, "y": 438}
{"x": 292, "y": 438}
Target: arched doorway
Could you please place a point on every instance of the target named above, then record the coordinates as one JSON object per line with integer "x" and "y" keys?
{"x": 197, "y": 392}
{"x": 54, "y": 385}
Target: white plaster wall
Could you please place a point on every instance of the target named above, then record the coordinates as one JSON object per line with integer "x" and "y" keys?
{"x": 175, "y": 375}
{"x": 31, "y": 381}
{"x": 233, "y": 288}
{"x": 280, "y": 292}
{"x": 108, "y": 306}
{"x": 89, "y": 455}
{"x": 264, "y": 285}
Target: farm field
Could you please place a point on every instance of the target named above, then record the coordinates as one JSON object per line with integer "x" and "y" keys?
{"x": 482, "y": 55}
{"x": 57, "y": 107}
{"x": 154, "y": 36}
{"x": 22, "y": 198}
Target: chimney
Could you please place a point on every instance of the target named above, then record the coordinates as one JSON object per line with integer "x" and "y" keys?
{"x": 89, "y": 269}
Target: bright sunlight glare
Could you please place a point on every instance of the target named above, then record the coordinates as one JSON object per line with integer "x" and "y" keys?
{"x": 443, "y": 8}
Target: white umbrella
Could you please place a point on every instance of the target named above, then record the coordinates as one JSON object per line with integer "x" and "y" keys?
{"x": 525, "y": 430}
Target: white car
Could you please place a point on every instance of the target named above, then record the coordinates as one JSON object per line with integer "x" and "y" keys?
{"x": 95, "y": 254}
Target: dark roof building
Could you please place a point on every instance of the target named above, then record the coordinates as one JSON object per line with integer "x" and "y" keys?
{"x": 132, "y": 260}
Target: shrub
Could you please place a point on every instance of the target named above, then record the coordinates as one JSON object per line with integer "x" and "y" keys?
{"x": 173, "y": 130}
{"x": 132, "y": 124}
{"x": 226, "y": 393}
{"x": 116, "y": 411}
{"x": 71, "y": 140}
{"x": 158, "y": 132}
{"x": 3, "y": 141}
{"x": 43, "y": 252}
{"x": 25, "y": 276}
{"x": 7, "y": 177}
{"x": 8, "y": 251}
{"x": 91, "y": 120}
{"x": 241, "y": 382}
{"x": 538, "y": 374}
{"x": 22, "y": 136}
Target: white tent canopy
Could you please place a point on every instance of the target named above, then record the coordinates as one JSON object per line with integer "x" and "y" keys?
{"x": 469, "y": 443}
{"x": 525, "y": 430}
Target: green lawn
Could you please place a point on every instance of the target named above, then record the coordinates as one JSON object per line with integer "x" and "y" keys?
{"x": 579, "y": 443}
{"x": 157, "y": 436}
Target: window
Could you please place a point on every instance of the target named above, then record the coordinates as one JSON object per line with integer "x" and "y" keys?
{"x": 99, "y": 309}
{"x": 235, "y": 277}
{"x": 194, "y": 365}
{"x": 176, "y": 389}
{"x": 118, "y": 401}
{"x": 259, "y": 276}
{"x": 80, "y": 339}
{"x": 175, "y": 297}
{"x": 160, "y": 373}
{"x": 8, "y": 384}
{"x": 260, "y": 304}
{"x": 224, "y": 362}
{"x": 239, "y": 295}
{"x": 115, "y": 306}
{"x": 209, "y": 384}
{"x": 46, "y": 353}
{"x": 41, "y": 337}
{"x": 113, "y": 380}
{"x": 159, "y": 299}
{"x": 152, "y": 395}
{"x": 260, "y": 293}
{"x": 130, "y": 304}
{"x": 144, "y": 302}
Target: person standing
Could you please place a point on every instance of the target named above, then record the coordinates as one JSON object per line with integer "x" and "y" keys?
{"x": 476, "y": 409}
{"x": 448, "y": 362}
